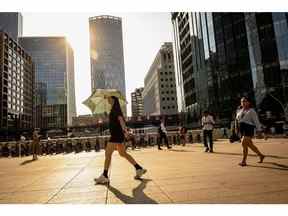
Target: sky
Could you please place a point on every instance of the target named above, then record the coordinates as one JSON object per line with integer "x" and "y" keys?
{"x": 143, "y": 35}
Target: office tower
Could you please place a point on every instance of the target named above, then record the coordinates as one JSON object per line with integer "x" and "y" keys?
{"x": 228, "y": 55}
{"x": 137, "y": 105}
{"x": 16, "y": 86}
{"x": 106, "y": 53}
{"x": 55, "y": 91}
{"x": 159, "y": 94}
{"x": 12, "y": 24}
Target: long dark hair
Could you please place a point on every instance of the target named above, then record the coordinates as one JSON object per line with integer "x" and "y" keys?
{"x": 116, "y": 108}
{"x": 249, "y": 101}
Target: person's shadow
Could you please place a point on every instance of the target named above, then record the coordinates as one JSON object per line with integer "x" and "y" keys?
{"x": 27, "y": 162}
{"x": 138, "y": 197}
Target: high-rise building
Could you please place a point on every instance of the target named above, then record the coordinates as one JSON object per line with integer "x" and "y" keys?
{"x": 106, "y": 53}
{"x": 159, "y": 94}
{"x": 55, "y": 91}
{"x": 16, "y": 86}
{"x": 12, "y": 24}
{"x": 220, "y": 57}
{"x": 137, "y": 102}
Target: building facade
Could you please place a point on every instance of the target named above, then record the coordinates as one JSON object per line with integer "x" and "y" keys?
{"x": 223, "y": 56}
{"x": 137, "y": 105}
{"x": 159, "y": 94}
{"x": 16, "y": 85}
{"x": 106, "y": 53}
{"x": 55, "y": 91}
{"x": 12, "y": 24}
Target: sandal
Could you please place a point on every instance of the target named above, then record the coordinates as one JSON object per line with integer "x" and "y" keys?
{"x": 242, "y": 164}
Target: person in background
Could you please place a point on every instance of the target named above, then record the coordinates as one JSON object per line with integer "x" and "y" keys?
{"x": 163, "y": 135}
{"x": 118, "y": 133}
{"x": 247, "y": 119}
{"x": 183, "y": 135}
{"x": 131, "y": 138}
{"x": 22, "y": 142}
{"x": 35, "y": 144}
{"x": 208, "y": 124}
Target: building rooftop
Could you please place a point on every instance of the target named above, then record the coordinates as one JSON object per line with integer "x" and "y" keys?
{"x": 105, "y": 17}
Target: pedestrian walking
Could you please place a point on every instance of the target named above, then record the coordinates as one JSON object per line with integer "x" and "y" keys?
{"x": 183, "y": 135}
{"x": 163, "y": 135}
{"x": 22, "y": 142}
{"x": 248, "y": 121}
{"x": 118, "y": 133}
{"x": 208, "y": 124}
{"x": 35, "y": 144}
{"x": 131, "y": 138}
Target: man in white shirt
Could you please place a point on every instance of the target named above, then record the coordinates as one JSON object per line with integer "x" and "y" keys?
{"x": 207, "y": 124}
{"x": 163, "y": 135}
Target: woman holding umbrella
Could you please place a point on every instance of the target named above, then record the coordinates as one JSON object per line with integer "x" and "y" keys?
{"x": 118, "y": 133}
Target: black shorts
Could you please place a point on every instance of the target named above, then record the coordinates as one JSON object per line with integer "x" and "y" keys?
{"x": 246, "y": 129}
{"x": 117, "y": 138}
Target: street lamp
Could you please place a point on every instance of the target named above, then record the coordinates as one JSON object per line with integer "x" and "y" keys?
{"x": 285, "y": 110}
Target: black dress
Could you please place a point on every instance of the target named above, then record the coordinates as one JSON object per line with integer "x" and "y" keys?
{"x": 117, "y": 135}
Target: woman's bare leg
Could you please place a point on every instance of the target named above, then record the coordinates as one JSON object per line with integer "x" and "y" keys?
{"x": 108, "y": 154}
{"x": 122, "y": 151}
{"x": 245, "y": 150}
{"x": 256, "y": 150}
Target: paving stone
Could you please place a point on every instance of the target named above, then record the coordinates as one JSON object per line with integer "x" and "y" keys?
{"x": 183, "y": 175}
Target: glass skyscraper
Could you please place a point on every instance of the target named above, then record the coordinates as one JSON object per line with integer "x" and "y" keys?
{"x": 223, "y": 56}
{"x": 55, "y": 91}
{"x": 12, "y": 24}
{"x": 106, "y": 53}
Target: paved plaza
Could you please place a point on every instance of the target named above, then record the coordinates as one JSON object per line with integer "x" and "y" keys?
{"x": 183, "y": 175}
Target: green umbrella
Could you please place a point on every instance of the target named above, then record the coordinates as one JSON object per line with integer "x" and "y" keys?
{"x": 98, "y": 100}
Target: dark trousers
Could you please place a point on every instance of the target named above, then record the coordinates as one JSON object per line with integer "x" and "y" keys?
{"x": 208, "y": 134}
{"x": 163, "y": 136}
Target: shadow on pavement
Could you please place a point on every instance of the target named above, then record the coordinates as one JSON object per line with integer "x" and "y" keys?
{"x": 179, "y": 150}
{"x": 138, "y": 197}
{"x": 27, "y": 162}
{"x": 253, "y": 155}
{"x": 278, "y": 166}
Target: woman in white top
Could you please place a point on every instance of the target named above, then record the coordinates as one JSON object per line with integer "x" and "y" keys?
{"x": 248, "y": 120}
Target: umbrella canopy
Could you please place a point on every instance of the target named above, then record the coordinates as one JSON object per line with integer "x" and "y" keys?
{"x": 98, "y": 100}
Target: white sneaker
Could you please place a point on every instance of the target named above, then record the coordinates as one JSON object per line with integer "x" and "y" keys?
{"x": 101, "y": 180}
{"x": 139, "y": 173}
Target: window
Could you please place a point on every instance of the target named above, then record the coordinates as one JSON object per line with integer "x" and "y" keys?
{"x": 164, "y": 107}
